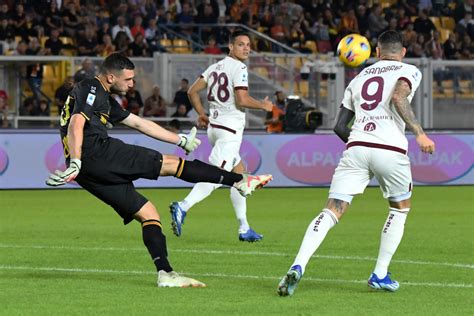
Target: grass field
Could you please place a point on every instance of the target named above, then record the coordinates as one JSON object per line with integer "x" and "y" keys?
{"x": 63, "y": 252}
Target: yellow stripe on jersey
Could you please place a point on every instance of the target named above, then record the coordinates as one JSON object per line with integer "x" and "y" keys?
{"x": 85, "y": 116}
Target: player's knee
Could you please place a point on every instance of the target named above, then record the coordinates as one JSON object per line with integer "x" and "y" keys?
{"x": 170, "y": 165}
{"x": 147, "y": 212}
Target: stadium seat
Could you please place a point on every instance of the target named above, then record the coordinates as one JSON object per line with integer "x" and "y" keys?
{"x": 444, "y": 35}
{"x": 181, "y": 46}
{"x": 262, "y": 71}
{"x": 312, "y": 46}
{"x": 448, "y": 23}
{"x": 436, "y": 21}
{"x": 43, "y": 40}
{"x": 166, "y": 43}
{"x": 68, "y": 41}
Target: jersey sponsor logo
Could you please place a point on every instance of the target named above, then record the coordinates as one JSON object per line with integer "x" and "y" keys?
{"x": 244, "y": 77}
{"x": 381, "y": 70}
{"x": 93, "y": 89}
{"x": 90, "y": 99}
{"x": 369, "y": 127}
{"x": 215, "y": 114}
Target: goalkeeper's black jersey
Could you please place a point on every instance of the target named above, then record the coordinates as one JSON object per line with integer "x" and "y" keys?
{"x": 90, "y": 99}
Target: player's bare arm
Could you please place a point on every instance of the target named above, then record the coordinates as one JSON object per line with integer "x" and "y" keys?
{"x": 342, "y": 128}
{"x": 75, "y": 135}
{"x": 150, "y": 128}
{"x": 243, "y": 99}
{"x": 193, "y": 94}
{"x": 187, "y": 142}
{"x": 403, "y": 107}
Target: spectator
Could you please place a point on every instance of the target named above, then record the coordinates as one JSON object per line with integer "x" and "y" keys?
{"x": 423, "y": 24}
{"x": 52, "y": 18}
{"x": 402, "y": 19}
{"x": 53, "y": 45}
{"x": 107, "y": 47}
{"x": 349, "y": 23}
{"x": 71, "y": 20}
{"x": 7, "y": 35}
{"x": 274, "y": 120}
{"x": 181, "y": 96}
{"x": 135, "y": 102}
{"x": 4, "y": 109}
{"x": 34, "y": 72}
{"x": 121, "y": 27}
{"x": 377, "y": 23}
{"x": 279, "y": 33}
{"x": 362, "y": 18}
{"x": 175, "y": 126}
{"x": 212, "y": 48}
{"x": 87, "y": 45}
{"x": 88, "y": 71}
{"x": 137, "y": 27}
{"x": 155, "y": 105}
{"x": 42, "y": 109}
{"x": 121, "y": 42}
{"x": 408, "y": 35}
{"x": 61, "y": 94}
{"x": 138, "y": 48}
{"x": 180, "y": 111}
{"x": 104, "y": 30}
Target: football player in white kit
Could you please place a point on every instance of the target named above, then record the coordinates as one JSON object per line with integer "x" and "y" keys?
{"x": 227, "y": 93}
{"x": 379, "y": 98}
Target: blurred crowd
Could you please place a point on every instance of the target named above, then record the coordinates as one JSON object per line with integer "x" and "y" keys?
{"x": 138, "y": 27}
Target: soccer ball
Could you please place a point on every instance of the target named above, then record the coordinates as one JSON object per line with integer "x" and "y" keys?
{"x": 353, "y": 50}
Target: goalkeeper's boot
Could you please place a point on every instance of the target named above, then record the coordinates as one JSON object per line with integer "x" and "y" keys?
{"x": 289, "y": 282}
{"x": 250, "y": 183}
{"x": 173, "y": 279}
{"x": 177, "y": 218}
{"x": 250, "y": 235}
{"x": 383, "y": 284}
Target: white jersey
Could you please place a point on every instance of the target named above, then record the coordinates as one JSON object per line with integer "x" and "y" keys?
{"x": 223, "y": 78}
{"x": 369, "y": 97}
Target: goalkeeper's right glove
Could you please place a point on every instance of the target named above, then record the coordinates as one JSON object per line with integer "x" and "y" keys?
{"x": 62, "y": 177}
{"x": 189, "y": 142}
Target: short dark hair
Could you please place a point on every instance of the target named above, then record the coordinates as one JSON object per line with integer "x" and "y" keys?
{"x": 116, "y": 62}
{"x": 236, "y": 34}
{"x": 185, "y": 80}
{"x": 390, "y": 42}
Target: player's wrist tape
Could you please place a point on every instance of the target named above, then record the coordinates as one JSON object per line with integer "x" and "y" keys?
{"x": 182, "y": 140}
{"x": 76, "y": 162}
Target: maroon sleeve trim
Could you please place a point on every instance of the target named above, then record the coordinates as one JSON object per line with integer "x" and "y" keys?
{"x": 406, "y": 80}
{"x": 241, "y": 88}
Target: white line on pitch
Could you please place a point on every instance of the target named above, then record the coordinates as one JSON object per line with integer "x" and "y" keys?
{"x": 220, "y": 275}
{"x": 247, "y": 253}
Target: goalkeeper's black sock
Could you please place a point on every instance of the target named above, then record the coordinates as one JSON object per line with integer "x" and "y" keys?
{"x": 155, "y": 242}
{"x": 198, "y": 171}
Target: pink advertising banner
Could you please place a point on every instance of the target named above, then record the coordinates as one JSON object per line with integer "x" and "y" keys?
{"x": 294, "y": 160}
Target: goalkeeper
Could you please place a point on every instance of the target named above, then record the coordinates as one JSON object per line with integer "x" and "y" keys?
{"x": 106, "y": 166}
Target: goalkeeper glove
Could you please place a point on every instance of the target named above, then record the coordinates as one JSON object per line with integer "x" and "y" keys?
{"x": 189, "y": 142}
{"x": 62, "y": 177}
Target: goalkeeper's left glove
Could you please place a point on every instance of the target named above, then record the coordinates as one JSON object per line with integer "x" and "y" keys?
{"x": 189, "y": 142}
{"x": 62, "y": 177}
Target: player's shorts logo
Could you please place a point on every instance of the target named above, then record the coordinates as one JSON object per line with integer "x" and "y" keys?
{"x": 4, "y": 161}
{"x": 215, "y": 114}
{"x": 369, "y": 127}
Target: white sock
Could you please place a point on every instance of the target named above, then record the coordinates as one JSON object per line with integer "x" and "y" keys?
{"x": 314, "y": 236}
{"x": 240, "y": 208}
{"x": 199, "y": 192}
{"x": 391, "y": 236}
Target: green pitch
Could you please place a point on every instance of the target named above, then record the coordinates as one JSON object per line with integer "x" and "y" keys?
{"x": 63, "y": 252}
